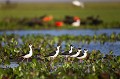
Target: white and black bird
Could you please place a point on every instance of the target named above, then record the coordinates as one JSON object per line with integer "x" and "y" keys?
{"x": 67, "y": 53}
{"x": 76, "y": 53}
{"x": 84, "y": 55}
{"x": 54, "y": 53}
{"x": 28, "y": 55}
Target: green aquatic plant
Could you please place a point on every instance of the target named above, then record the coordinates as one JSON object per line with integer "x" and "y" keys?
{"x": 96, "y": 65}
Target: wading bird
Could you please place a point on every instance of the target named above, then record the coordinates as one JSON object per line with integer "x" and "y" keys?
{"x": 84, "y": 55}
{"x": 54, "y": 53}
{"x": 67, "y": 53}
{"x": 76, "y": 53}
{"x": 28, "y": 55}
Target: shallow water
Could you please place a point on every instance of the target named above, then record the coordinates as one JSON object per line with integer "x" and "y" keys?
{"x": 104, "y": 48}
{"x": 11, "y": 65}
{"x": 63, "y": 32}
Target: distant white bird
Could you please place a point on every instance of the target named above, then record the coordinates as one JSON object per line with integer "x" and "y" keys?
{"x": 84, "y": 54}
{"x": 78, "y": 3}
{"x": 76, "y": 23}
{"x": 28, "y": 55}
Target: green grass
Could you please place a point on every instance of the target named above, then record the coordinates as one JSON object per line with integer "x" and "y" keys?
{"x": 108, "y": 12}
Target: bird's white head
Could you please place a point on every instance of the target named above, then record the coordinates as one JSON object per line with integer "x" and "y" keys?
{"x": 58, "y": 47}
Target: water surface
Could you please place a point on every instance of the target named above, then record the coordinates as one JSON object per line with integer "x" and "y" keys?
{"x": 11, "y": 65}
{"x": 104, "y": 48}
{"x": 63, "y": 32}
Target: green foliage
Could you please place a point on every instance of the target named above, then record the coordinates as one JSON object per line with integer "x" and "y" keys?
{"x": 95, "y": 66}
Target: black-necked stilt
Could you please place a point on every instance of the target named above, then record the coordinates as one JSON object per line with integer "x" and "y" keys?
{"x": 28, "y": 55}
{"x": 67, "y": 53}
{"x": 54, "y": 53}
{"x": 84, "y": 54}
{"x": 76, "y": 53}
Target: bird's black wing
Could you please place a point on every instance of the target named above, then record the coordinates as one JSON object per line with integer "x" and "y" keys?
{"x": 65, "y": 53}
{"x": 81, "y": 54}
{"x": 72, "y": 53}
{"x": 51, "y": 54}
